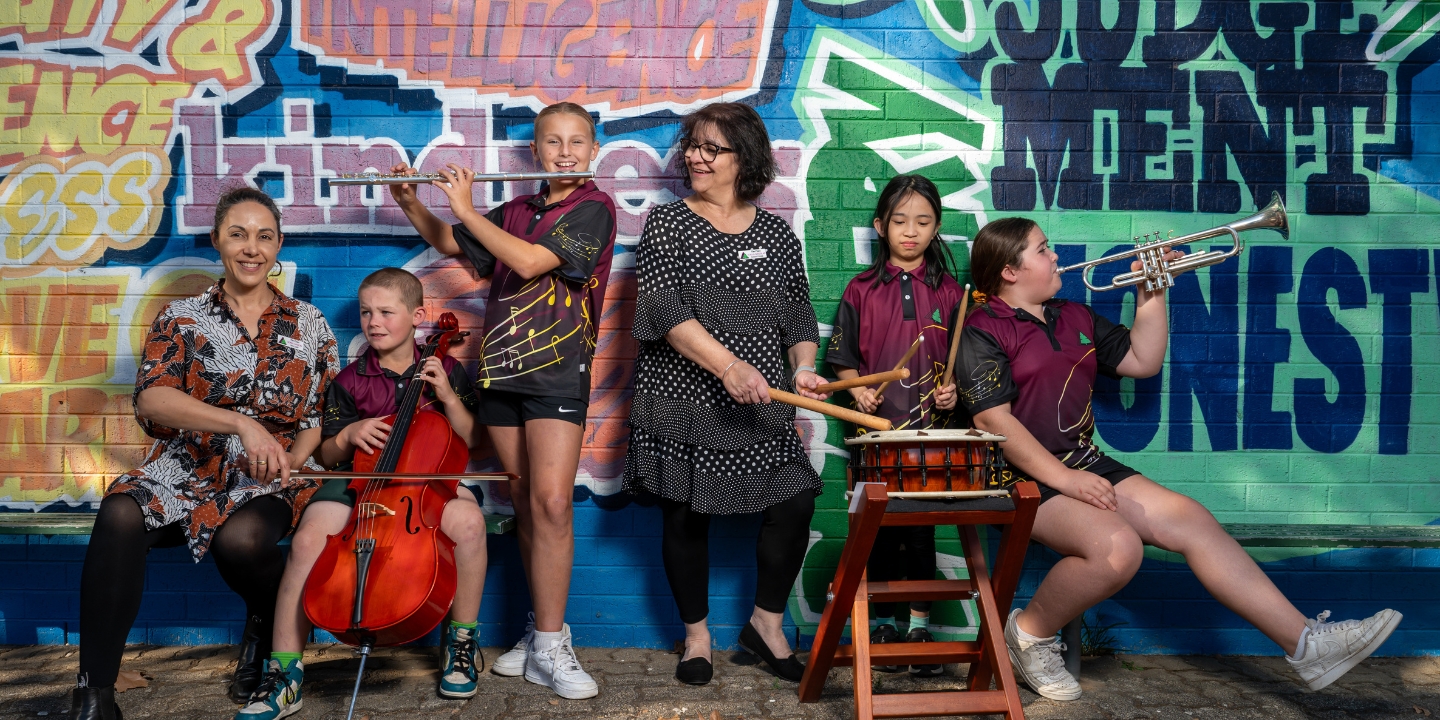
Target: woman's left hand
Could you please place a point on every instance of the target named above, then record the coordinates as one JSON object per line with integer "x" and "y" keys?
{"x": 805, "y": 384}
{"x": 945, "y": 397}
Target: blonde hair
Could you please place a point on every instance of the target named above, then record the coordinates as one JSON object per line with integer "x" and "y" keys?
{"x": 403, "y": 282}
{"x": 566, "y": 108}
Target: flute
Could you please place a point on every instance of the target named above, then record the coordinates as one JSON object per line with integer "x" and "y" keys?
{"x": 391, "y": 179}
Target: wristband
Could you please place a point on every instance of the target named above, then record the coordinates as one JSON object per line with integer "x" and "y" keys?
{"x": 802, "y": 368}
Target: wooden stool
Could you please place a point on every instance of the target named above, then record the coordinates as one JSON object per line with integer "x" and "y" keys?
{"x": 850, "y": 595}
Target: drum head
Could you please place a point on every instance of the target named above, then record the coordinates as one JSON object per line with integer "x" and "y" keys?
{"x": 919, "y": 436}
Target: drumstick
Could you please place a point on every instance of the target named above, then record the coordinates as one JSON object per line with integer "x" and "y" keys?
{"x": 955, "y": 339}
{"x": 880, "y": 391}
{"x": 824, "y": 408}
{"x": 864, "y": 380}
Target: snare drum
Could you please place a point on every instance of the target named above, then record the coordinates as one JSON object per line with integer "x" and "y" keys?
{"x": 928, "y": 460}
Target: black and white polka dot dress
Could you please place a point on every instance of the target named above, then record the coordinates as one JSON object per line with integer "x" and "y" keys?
{"x": 689, "y": 440}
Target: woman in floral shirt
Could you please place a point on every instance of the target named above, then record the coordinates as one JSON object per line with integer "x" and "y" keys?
{"x": 230, "y": 386}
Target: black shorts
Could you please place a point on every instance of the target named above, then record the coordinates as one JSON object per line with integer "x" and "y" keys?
{"x": 1106, "y": 467}
{"x": 508, "y": 409}
{"x": 338, "y": 490}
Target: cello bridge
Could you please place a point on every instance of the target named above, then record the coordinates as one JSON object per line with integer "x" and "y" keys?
{"x": 372, "y": 509}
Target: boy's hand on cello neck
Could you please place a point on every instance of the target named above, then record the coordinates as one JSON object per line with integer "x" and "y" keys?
{"x": 436, "y": 232}
{"x": 432, "y": 371}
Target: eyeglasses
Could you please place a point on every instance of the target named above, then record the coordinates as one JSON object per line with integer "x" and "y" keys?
{"x": 708, "y": 151}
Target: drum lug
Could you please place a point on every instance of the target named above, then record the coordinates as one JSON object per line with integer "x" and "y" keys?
{"x": 829, "y": 598}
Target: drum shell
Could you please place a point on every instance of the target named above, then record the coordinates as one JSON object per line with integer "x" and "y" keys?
{"x": 937, "y": 466}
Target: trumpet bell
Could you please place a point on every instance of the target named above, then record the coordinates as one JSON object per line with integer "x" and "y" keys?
{"x": 1272, "y": 217}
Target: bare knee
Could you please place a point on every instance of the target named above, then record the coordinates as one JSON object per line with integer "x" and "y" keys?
{"x": 553, "y": 508}
{"x": 307, "y": 543}
{"x": 465, "y": 524}
{"x": 1118, "y": 557}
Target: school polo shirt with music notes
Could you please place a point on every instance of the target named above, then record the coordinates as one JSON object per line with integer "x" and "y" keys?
{"x": 878, "y": 320}
{"x": 540, "y": 333}
{"x": 1045, "y": 370}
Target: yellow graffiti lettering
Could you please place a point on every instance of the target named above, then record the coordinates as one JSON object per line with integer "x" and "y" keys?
{"x": 213, "y": 45}
{"x": 67, "y": 212}
{"x": 136, "y": 16}
{"x": 58, "y": 111}
{"x": 57, "y": 328}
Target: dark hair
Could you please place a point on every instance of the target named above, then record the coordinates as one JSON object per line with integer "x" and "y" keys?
{"x": 745, "y": 133}
{"x": 566, "y": 108}
{"x": 998, "y": 245}
{"x": 412, "y": 293}
{"x": 234, "y": 197}
{"x": 938, "y": 261}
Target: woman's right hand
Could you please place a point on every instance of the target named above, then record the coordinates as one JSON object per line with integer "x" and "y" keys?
{"x": 265, "y": 458}
{"x": 866, "y": 400}
{"x": 404, "y": 193}
{"x": 1087, "y": 487}
{"x": 746, "y": 385}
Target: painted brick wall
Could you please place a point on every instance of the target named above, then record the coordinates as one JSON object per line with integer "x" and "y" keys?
{"x": 1301, "y": 381}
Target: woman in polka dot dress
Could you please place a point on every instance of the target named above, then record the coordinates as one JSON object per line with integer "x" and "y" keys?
{"x": 723, "y": 304}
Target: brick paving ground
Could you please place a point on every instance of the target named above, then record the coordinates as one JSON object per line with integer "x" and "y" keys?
{"x": 188, "y": 683}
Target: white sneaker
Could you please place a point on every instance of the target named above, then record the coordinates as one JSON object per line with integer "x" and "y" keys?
{"x": 1040, "y": 664}
{"x": 1331, "y": 649}
{"x": 512, "y": 663}
{"x": 557, "y": 668}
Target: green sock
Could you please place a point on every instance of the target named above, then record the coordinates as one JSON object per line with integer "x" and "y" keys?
{"x": 917, "y": 621}
{"x": 285, "y": 659}
{"x": 469, "y": 625}
{"x": 885, "y": 621}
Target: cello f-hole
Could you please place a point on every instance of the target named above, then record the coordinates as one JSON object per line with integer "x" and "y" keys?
{"x": 410, "y": 513}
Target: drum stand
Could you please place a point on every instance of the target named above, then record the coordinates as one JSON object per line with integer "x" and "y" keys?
{"x": 850, "y": 594}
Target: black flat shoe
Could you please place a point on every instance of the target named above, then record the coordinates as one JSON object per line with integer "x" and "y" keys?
{"x": 87, "y": 703}
{"x": 882, "y": 634}
{"x": 250, "y": 666}
{"x": 922, "y": 635}
{"x": 695, "y": 671}
{"x": 790, "y": 668}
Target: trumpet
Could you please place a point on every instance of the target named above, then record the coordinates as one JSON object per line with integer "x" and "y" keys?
{"x": 1157, "y": 273}
{"x": 391, "y": 179}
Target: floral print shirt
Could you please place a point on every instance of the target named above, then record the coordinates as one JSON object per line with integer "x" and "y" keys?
{"x": 198, "y": 345}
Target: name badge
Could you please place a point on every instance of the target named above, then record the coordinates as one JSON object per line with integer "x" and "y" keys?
{"x": 756, "y": 254}
{"x": 291, "y": 343}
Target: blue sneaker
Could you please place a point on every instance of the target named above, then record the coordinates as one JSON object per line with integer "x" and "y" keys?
{"x": 460, "y": 662}
{"x": 278, "y": 695}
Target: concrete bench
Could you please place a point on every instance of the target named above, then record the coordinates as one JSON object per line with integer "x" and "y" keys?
{"x": 80, "y": 523}
{"x": 1334, "y": 537}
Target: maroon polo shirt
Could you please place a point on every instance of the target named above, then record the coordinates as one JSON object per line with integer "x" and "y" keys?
{"x": 540, "y": 333}
{"x": 365, "y": 389}
{"x": 1044, "y": 369}
{"x": 880, "y": 315}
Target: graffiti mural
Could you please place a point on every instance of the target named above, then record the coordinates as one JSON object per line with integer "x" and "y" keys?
{"x": 1301, "y": 379}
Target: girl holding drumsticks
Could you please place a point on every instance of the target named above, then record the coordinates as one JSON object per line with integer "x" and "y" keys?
{"x": 908, "y": 293}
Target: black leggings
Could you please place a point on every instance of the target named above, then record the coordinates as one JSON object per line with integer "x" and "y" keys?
{"x": 113, "y": 578}
{"x": 915, "y": 562}
{"x": 784, "y": 536}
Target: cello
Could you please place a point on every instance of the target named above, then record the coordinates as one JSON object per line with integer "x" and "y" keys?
{"x": 389, "y": 577}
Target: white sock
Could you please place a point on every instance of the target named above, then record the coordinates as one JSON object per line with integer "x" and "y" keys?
{"x": 1300, "y": 646}
{"x": 1031, "y": 639}
{"x": 546, "y": 640}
